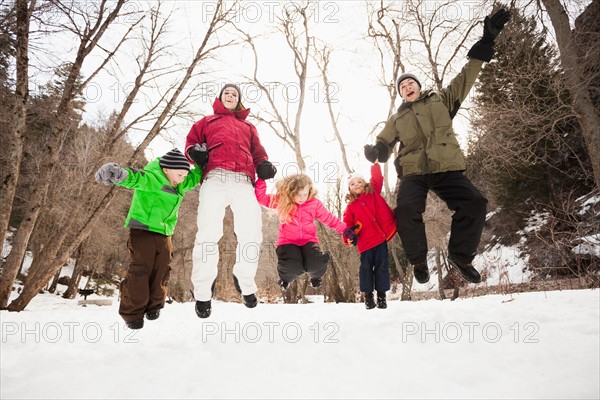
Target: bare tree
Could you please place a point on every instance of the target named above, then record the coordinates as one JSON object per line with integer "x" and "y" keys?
{"x": 576, "y": 82}
{"x": 9, "y": 175}
{"x": 63, "y": 244}
{"x": 95, "y": 27}
{"x": 294, "y": 26}
{"x": 440, "y": 36}
{"x": 322, "y": 58}
{"x": 384, "y": 29}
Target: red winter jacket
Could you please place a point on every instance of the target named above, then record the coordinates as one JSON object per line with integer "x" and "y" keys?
{"x": 373, "y": 212}
{"x": 302, "y": 228}
{"x": 232, "y": 142}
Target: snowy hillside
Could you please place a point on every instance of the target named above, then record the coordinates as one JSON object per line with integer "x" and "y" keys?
{"x": 529, "y": 345}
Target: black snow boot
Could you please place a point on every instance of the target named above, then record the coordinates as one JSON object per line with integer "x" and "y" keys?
{"x": 203, "y": 309}
{"x": 137, "y": 324}
{"x": 152, "y": 315}
{"x": 381, "y": 300}
{"x": 421, "y": 272}
{"x": 250, "y": 300}
{"x": 467, "y": 271}
{"x": 369, "y": 300}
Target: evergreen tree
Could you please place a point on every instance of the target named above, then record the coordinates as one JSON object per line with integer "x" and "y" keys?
{"x": 529, "y": 148}
{"x": 7, "y": 42}
{"x": 529, "y": 152}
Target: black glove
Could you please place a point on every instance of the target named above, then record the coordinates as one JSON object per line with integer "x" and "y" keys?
{"x": 481, "y": 51}
{"x": 383, "y": 151}
{"x": 199, "y": 154}
{"x": 493, "y": 25}
{"x": 371, "y": 153}
{"x": 351, "y": 236}
{"x": 265, "y": 170}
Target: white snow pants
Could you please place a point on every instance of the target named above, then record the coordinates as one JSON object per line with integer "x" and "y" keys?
{"x": 220, "y": 189}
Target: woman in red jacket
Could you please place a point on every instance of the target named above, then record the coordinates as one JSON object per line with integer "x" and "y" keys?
{"x": 227, "y": 147}
{"x": 298, "y": 248}
{"x": 376, "y": 223}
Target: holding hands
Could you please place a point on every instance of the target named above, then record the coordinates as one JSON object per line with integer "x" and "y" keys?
{"x": 380, "y": 152}
{"x": 371, "y": 153}
{"x": 199, "y": 154}
{"x": 265, "y": 170}
{"x": 351, "y": 236}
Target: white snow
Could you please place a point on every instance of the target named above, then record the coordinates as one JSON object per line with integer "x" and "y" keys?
{"x": 590, "y": 245}
{"x": 528, "y": 345}
{"x": 587, "y": 204}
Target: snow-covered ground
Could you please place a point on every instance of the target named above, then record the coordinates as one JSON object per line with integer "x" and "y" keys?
{"x": 528, "y": 345}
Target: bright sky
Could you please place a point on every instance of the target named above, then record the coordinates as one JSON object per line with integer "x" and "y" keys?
{"x": 360, "y": 102}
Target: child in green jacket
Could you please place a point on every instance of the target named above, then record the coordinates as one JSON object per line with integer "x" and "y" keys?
{"x": 158, "y": 193}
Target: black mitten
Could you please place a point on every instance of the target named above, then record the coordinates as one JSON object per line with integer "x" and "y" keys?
{"x": 351, "y": 236}
{"x": 383, "y": 151}
{"x": 265, "y": 170}
{"x": 199, "y": 154}
{"x": 371, "y": 153}
{"x": 481, "y": 51}
{"x": 492, "y": 25}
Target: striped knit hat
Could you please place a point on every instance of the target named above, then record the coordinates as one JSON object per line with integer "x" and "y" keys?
{"x": 174, "y": 159}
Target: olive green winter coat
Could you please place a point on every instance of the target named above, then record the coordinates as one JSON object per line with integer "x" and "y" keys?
{"x": 428, "y": 143}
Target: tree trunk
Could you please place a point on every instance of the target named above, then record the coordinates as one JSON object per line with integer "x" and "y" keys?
{"x": 54, "y": 283}
{"x": 407, "y": 284}
{"x": 345, "y": 289}
{"x": 76, "y": 275}
{"x": 576, "y": 83}
{"x": 438, "y": 265}
{"x": 37, "y": 199}
{"x": 53, "y": 263}
{"x": 227, "y": 255}
{"x": 10, "y": 167}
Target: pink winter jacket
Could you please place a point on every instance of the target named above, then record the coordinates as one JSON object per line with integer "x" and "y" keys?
{"x": 302, "y": 228}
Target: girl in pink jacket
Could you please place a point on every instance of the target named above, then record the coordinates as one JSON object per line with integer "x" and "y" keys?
{"x": 297, "y": 246}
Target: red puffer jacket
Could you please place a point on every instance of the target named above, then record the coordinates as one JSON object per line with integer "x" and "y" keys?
{"x": 302, "y": 228}
{"x": 373, "y": 213}
{"x": 232, "y": 142}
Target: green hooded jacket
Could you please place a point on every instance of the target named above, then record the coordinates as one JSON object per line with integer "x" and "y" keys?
{"x": 155, "y": 203}
{"x": 428, "y": 143}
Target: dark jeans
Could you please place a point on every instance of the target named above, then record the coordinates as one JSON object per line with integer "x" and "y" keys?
{"x": 374, "y": 269}
{"x": 144, "y": 288}
{"x": 459, "y": 194}
{"x": 293, "y": 261}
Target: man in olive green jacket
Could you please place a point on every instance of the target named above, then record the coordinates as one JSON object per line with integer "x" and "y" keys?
{"x": 158, "y": 192}
{"x": 430, "y": 159}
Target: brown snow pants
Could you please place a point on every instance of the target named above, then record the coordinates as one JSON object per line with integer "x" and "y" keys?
{"x": 144, "y": 288}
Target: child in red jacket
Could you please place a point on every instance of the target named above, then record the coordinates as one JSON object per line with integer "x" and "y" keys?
{"x": 297, "y": 246}
{"x": 377, "y": 224}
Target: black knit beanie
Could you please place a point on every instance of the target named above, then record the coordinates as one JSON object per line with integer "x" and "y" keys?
{"x": 237, "y": 107}
{"x": 174, "y": 159}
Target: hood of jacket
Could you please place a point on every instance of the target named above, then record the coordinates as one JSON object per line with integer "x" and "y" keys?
{"x": 220, "y": 109}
